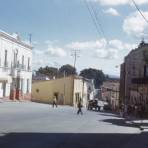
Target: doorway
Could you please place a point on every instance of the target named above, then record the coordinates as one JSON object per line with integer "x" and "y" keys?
{"x": 4, "y": 89}
{"x": 56, "y": 95}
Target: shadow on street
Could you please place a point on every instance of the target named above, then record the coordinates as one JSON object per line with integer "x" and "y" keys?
{"x": 121, "y": 122}
{"x": 71, "y": 140}
{"x": 109, "y": 114}
{"x": 127, "y": 122}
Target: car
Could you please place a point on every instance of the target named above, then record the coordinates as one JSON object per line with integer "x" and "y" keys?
{"x": 93, "y": 105}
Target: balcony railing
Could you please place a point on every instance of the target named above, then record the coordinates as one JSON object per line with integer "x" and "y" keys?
{"x": 19, "y": 67}
{"x": 6, "y": 64}
{"x": 143, "y": 80}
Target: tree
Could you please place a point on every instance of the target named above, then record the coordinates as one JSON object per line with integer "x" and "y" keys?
{"x": 52, "y": 71}
{"x": 68, "y": 70}
{"x": 95, "y": 74}
{"x": 49, "y": 71}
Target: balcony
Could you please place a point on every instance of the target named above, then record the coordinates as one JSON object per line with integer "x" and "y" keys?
{"x": 23, "y": 67}
{"x": 6, "y": 64}
{"x": 143, "y": 80}
{"x": 13, "y": 72}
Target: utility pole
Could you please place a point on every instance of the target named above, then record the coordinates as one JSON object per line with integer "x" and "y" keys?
{"x": 75, "y": 54}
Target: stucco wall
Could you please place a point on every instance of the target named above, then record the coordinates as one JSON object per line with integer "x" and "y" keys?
{"x": 80, "y": 87}
{"x": 44, "y": 91}
{"x": 12, "y": 46}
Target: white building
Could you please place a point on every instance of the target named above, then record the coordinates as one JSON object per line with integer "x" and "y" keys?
{"x": 15, "y": 67}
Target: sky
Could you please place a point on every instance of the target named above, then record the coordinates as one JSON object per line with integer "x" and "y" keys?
{"x": 59, "y": 27}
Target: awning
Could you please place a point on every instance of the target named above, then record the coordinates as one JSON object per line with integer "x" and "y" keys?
{"x": 7, "y": 79}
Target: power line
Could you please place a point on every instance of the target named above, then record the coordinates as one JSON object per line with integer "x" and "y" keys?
{"x": 92, "y": 17}
{"x": 136, "y": 6}
{"x": 97, "y": 19}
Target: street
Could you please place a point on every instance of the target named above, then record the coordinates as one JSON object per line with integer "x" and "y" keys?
{"x": 34, "y": 125}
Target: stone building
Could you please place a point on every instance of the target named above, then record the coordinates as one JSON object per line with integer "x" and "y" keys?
{"x": 110, "y": 93}
{"x": 15, "y": 67}
{"x": 134, "y": 77}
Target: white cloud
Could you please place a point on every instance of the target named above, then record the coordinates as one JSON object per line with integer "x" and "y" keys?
{"x": 135, "y": 24}
{"x": 101, "y": 48}
{"x": 112, "y": 11}
{"x": 119, "y": 2}
{"x": 53, "y": 50}
{"x": 87, "y": 45}
{"x": 49, "y": 42}
{"x": 117, "y": 44}
{"x": 41, "y": 57}
{"x": 56, "y": 52}
{"x": 107, "y": 53}
{"x": 37, "y": 51}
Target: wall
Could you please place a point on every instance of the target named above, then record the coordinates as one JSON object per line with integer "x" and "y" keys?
{"x": 110, "y": 93}
{"x": 44, "y": 91}
{"x": 80, "y": 86}
{"x": 11, "y": 47}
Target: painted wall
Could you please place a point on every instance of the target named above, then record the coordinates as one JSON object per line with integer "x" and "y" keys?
{"x": 44, "y": 91}
{"x": 80, "y": 86}
{"x": 12, "y": 47}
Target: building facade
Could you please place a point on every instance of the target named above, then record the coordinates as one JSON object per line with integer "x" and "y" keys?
{"x": 134, "y": 77}
{"x": 110, "y": 93}
{"x": 68, "y": 91}
{"x": 15, "y": 67}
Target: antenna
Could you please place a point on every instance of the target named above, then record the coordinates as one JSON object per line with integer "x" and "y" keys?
{"x": 30, "y": 38}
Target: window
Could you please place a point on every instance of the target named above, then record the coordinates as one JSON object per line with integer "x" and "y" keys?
{"x": 22, "y": 84}
{"x": 23, "y": 61}
{"x": 5, "y": 61}
{"x": 15, "y": 58}
{"x": 27, "y": 85}
{"x": 145, "y": 70}
{"x": 134, "y": 70}
{"x": 29, "y": 64}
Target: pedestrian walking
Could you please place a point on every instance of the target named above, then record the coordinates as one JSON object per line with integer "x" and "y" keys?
{"x": 79, "y": 108}
{"x": 121, "y": 110}
{"x": 54, "y": 102}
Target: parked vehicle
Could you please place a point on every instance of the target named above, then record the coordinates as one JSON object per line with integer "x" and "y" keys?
{"x": 107, "y": 107}
{"x": 93, "y": 105}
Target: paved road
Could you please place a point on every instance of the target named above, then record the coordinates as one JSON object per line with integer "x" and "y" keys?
{"x": 33, "y": 125}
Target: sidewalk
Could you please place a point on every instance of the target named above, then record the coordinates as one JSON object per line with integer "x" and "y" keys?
{"x": 8, "y": 100}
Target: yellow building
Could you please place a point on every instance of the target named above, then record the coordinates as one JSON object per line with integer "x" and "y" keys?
{"x": 68, "y": 91}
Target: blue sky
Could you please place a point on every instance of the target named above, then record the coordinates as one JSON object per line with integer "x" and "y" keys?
{"x": 59, "y": 26}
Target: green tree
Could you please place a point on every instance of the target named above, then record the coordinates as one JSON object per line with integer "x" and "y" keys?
{"x": 49, "y": 71}
{"x": 95, "y": 74}
{"x": 68, "y": 70}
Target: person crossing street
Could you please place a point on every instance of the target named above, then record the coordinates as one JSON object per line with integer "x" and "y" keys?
{"x": 79, "y": 108}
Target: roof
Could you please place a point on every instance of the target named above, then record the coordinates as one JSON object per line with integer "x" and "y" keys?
{"x": 67, "y": 77}
{"x": 14, "y": 39}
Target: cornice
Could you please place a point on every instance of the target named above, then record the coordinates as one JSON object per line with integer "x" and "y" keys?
{"x": 9, "y": 37}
